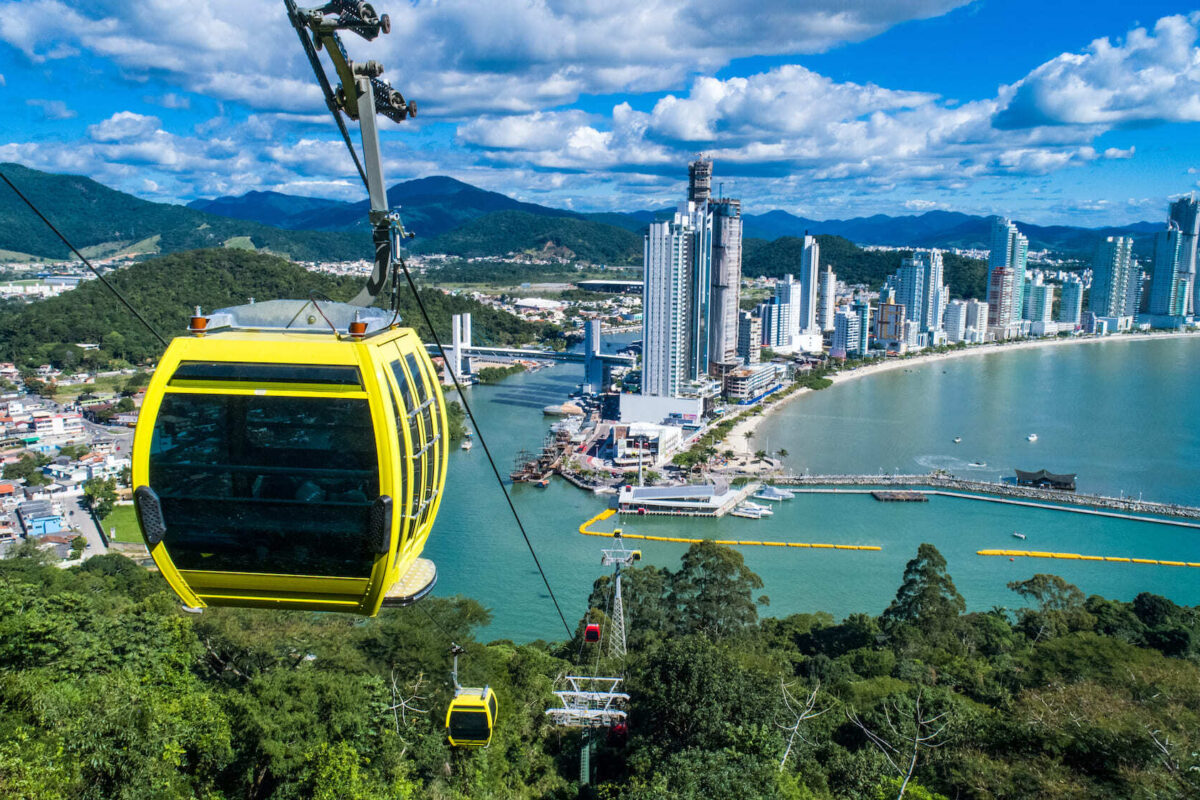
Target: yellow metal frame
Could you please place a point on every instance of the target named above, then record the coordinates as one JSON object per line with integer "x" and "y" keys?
{"x": 473, "y": 700}
{"x": 394, "y": 444}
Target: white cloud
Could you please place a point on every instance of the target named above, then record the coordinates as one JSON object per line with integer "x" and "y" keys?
{"x": 456, "y": 56}
{"x": 1150, "y": 77}
{"x": 51, "y": 109}
{"x": 124, "y": 126}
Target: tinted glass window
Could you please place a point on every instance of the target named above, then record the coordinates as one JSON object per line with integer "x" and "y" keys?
{"x": 266, "y": 484}
{"x": 469, "y": 726}
{"x": 267, "y": 373}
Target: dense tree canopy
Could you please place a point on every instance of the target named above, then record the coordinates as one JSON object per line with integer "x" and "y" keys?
{"x": 108, "y": 690}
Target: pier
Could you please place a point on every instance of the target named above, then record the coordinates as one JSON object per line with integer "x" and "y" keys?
{"x": 946, "y": 486}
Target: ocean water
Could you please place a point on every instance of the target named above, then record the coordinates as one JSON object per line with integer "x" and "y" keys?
{"x": 1124, "y": 415}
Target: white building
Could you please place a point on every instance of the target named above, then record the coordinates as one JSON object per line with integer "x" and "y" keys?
{"x": 827, "y": 299}
{"x": 790, "y": 293}
{"x": 955, "y": 322}
{"x": 846, "y": 334}
{"x": 675, "y": 298}
{"x": 810, "y": 266}
{"x": 1110, "y": 277}
{"x": 1070, "y": 304}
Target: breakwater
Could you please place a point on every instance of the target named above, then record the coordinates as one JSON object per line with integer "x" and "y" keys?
{"x": 958, "y": 487}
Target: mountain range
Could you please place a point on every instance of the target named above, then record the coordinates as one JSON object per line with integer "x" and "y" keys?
{"x": 436, "y": 205}
{"x": 448, "y": 215}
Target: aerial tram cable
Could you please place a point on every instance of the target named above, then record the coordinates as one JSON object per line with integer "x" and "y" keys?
{"x": 361, "y": 18}
{"x": 95, "y": 271}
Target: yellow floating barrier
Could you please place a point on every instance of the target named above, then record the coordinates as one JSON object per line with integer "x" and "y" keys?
{"x": 1078, "y": 557}
{"x": 586, "y": 530}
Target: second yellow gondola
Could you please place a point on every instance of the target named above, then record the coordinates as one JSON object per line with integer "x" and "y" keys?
{"x": 471, "y": 717}
{"x": 292, "y": 455}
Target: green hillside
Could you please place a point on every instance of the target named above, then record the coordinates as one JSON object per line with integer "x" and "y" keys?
{"x": 93, "y": 216}
{"x": 503, "y": 232}
{"x": 165, "y": 289}
{"x": 966, "y": 277}
{"x": 110, "y": 690}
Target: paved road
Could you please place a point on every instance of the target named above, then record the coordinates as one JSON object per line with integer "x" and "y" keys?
{"x": 79, "y": 518}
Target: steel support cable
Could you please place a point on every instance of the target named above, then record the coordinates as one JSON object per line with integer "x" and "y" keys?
{"x": 95, "y": 271}
{"x": 482, "y": 441}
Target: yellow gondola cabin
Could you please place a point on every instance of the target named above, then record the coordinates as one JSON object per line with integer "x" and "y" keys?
{"x": 471, "y": 717}
{"x": 291, "y": 454}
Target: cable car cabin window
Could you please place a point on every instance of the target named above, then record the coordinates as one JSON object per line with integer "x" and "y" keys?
{"x": 469, "y": 726}
{"x": 492, "y": 704}
{"x": 336, "y": 375}
{"x": 266, "y": 484}
{"x": 399, "y": 472}
{"x": 412, "y": 389}
{"x": 429, "y": 463}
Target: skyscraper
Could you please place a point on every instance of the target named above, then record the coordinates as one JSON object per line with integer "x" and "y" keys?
{"x": 1006, "y": 278}
{"x": 775, "y": 317}
{"x": 1185, "y": 212}
{"x": 1039, "y": 303}
{"x": 1070, "y": 306}
{"x": 677, "y": 293}
{"x": 861, "y": 308}
{"x": 810, "y": 265}
{"x": 826, "y": 299}
{"x": 977, "y": 320}
{"x": 1169, "y": 284}
{"x": 790, "y": 292}
{"x": 665, "y": 296}
{"x": 1110, "y": 277}
{"x": 726, "y": 283}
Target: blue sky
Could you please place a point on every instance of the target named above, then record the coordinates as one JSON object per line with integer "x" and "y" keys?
{"x": 1053, "y": 112}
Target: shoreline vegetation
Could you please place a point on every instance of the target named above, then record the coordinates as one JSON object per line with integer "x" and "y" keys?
{"x": 741, "y": 435}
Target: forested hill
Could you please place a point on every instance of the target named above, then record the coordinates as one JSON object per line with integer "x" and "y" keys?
{"x": 109, "y": 690}
{"x": 166, "y": 289}
{"x": 104, "y": 221}
{"x": 503, "y": 232}
{"x": 966, "y": 277}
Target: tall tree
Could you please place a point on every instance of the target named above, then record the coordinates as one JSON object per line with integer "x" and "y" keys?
{"x": 713, "y": 591}
{"x": 927, "y": 596}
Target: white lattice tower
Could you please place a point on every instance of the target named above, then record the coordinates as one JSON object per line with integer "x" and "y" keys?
{"x": 618, "y": 557}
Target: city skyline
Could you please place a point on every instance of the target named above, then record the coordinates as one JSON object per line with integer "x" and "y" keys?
{"x": 1088, "y": 116}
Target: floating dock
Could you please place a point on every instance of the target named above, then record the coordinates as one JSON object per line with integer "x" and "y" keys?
{"x": 901, "y": 496}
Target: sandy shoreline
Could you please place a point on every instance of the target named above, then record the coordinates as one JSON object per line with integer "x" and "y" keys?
{"x": 737, "y": 441}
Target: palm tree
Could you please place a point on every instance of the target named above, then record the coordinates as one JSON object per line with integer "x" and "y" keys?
{"x": 783, "y": 453}
{"x": 749, "y": 436}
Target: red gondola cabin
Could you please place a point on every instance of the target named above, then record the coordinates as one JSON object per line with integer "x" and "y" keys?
{"x": 591, "y": 633}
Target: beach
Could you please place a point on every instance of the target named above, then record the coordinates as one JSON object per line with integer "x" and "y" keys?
{"x": 737, "y": 439}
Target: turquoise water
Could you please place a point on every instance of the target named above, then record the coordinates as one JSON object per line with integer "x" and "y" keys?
{"x": 1121, "y": 414}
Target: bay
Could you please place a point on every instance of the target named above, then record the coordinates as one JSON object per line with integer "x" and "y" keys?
{"x": 1122, "y": 414}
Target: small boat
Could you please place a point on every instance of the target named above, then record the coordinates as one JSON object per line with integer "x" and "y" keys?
{"x": 1032, "y": 437}
{"x": 468, "y": 441}
{"x": 763, "y": 510}
{"x": 542, "y": 483}
{"x": 958, "y": 440}
{"x": 772, "y": 494}
{"x": 978, "y": 464}
{"x": 1018, "y": 535}
{"x": 747, "y": 513}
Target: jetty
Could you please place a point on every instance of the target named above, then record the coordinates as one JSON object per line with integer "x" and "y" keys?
{"x": 935, "y": 483}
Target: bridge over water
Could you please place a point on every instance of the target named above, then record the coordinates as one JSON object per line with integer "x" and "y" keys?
{"x": 597, "y": 365}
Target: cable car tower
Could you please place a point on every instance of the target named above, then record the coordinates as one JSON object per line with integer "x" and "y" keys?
{"x": 617, "y": 557}
{"x": 592, "y": 702}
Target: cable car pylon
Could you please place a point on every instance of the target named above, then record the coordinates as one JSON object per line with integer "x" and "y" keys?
{"x": 590, "y": 702}
{"x": 617, "y": 557}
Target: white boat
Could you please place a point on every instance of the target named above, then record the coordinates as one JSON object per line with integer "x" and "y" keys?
{"x": 468, "y": 441}
{"x": 1018, "y": 535}
{"x": 978, "y": 464}
{"x": 745, "y": 513}
{"x": 763, "y": 510}
{"x": 957, "y": 439}
{"x": 1032, "y": 437}
{"x": 773, "y": 494}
